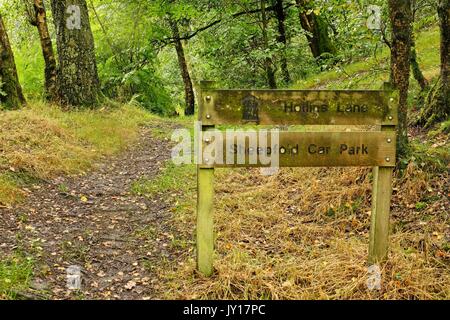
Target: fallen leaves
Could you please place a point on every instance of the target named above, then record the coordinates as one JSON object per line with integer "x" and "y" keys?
{"x": 101, "y": 274}
{"x": 130, "y": 285}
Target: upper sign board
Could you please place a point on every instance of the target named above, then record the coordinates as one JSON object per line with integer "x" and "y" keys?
{"x": 298, "y": 107}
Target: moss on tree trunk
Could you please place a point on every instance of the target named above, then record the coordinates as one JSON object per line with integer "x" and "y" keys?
{"x": 316, "y": 28}
{"x": 401, "y": 21}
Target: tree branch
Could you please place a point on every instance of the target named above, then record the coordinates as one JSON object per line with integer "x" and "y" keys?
{"x": 167, "y": 41}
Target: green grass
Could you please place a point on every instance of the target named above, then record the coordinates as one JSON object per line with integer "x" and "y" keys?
{"x": 172, "y": 179}
{"x": 15, "y": 275}
{"x": 9, "y": 189}
{"x": 444, "y": 127}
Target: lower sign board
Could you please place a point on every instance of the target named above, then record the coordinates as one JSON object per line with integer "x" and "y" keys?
{"x": 300, "y": 149}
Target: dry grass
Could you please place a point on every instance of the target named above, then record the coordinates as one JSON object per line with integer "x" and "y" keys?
{"x": 41, "y": 142}
{"x": 303, "y": 234}
{"x": 40, "y": 145}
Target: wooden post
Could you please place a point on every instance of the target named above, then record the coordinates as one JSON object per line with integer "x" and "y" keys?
{"x": 205, "y": 210}
{"x": 381, "y": 204}
{"x": 205, "y": 226}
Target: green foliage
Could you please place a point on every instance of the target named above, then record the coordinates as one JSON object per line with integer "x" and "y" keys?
{"x": 224, "y": 42}
{"x": 9, "y": 189}
{"x": 420, "y": 206}
{"x": 427, "y": 156}
{"x": 127, "y": 61}
{"x": 444, "y": 127}
{"x": 139, "y": 85}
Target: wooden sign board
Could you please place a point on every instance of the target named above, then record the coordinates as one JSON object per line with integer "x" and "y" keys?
{"x": 298, "y": 107}
{"x": 308, "y": 149}
{"x": 300, "y": 149}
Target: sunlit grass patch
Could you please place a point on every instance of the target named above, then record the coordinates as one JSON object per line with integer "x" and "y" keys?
{"x": 172, "y": 178}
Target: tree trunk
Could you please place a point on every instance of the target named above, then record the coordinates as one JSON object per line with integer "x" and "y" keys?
{"x": 437, "y": 106}
{"x": 400, "y": 14}
{"x": 11, "y": 96}
{"x": 38, "y": 17}
{"x": 281, "y": 18}
{"x": 268, "y": 61}
{"x": 188, "y": 88}
{"x": 79, "y": 84}
{"x": 444, "y": 18}
{"x": 316, "y": 30}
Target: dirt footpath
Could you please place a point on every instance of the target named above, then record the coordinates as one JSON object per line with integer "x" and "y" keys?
{"x": 94, "y": 221}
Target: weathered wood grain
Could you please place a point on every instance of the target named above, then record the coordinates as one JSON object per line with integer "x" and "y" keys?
{"x": 205, "y": 225}
{"x": 205, "y": 208}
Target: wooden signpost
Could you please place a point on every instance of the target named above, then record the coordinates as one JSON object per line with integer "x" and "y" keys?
{"x": 375, "y": 149}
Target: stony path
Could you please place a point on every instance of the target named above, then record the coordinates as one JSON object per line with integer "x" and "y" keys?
{"x": 93, "y": 221}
